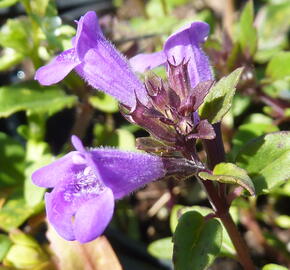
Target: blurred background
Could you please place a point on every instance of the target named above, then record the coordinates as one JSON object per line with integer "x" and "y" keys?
{"x": 36, "y": 124}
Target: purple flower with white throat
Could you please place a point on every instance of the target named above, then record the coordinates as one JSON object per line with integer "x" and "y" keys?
{"x": 86, "y": 184}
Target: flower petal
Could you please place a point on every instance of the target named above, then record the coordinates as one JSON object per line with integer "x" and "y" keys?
{"x": 78, "y": 145}
{"x": 93, "y": 217}
{"x": 123, "y": 172}
{"x": 60, "y": 213}
{"x": 204, "y": 131}
{"x": 56, "y": 172}
{"x": 68, "y": 196}
{"x": 105, "y": 69}
{"x": 88, "y": 33}
{"x": 143, "y": 62}
{"x": 185, "y": 45}
{"x": 58, "y": 68}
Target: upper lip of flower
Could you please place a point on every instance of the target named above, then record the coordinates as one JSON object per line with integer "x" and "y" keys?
{"x": 96, "y": 60}
{"x": 183, "y": 45}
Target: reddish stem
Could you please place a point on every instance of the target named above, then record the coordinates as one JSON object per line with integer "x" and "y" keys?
{"x": 216, "y": 154}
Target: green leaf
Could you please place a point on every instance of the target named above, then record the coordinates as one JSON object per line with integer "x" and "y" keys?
{"x": 15, "y": 34}
{"x": 219, "y": 100}
{"x": 267, "y": 160}
{"x": 230, "y": 173}
{"x": 7, "y": 3}
{"x": 121, "y": 138}
{"x": 227, "y": 248}
{"x": 258, "y": 118}
{"x": 104, "y": 103}
{"x": 26, "y": 253}
{"x": 247, "y": 132}
{"x": 11, "y": 161}
{"x": 278, "y": 89}
{"x": 162, "y": 248}
{"x": 37, "y": 156}
{"x": 283, "y": 221}
{"x": 154, "y": 8}
{"x": 5, "y": 244}
{"x": 273, "y": 266}
{"x": 278, "y": 68}
{"x": 55, "y": 34}
{"x": 14, "y": 213}
{"x": 9, "y": 58}
{"x": 196, "y": 242}
{"x": 240, "y": 104}
{"x": 247, "y": 31}
{"x": 178, "y": 210}
{"x": 176, "y": 3}
{"x": 39, "y": 6}
{"x": 24, "y": 257}
{"x": 273, "y": 22}
{"x": 34, "y": 99}
{"x": 20, "y": 238}
{"x": 283, "y": 190}
{"x": 159, "y": 25}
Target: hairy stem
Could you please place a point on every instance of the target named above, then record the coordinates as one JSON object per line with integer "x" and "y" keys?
{"x": 238, "y": 241}
{"x": 84, "y": 114}
{"x": 216, "y": 154}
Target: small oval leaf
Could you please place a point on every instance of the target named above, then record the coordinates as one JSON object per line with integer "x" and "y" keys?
{"x": 273, "y": 266}
{"x": 219, "y": 100}
{"x": 196, "y": 242}
{"x": 230, "y": 173}
{"x": 161, "y": 248}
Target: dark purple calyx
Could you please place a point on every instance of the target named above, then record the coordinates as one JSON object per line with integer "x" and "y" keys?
{"x": 171, "y": 113}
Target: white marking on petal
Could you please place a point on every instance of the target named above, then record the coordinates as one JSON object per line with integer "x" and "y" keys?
{"x": 87, "y": 171}
{"x": 78, "y": 159}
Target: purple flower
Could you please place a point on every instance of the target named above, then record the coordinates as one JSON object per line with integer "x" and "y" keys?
{"x": 96, "y": 60}
{"x": 167, "y": 110}
{"x": 182, "y": 46}
{"x": 86, "y": 183}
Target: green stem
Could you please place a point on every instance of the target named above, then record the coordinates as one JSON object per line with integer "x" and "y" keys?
{"x": 34, "y": 28}
{"x": 164, "y": 7}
